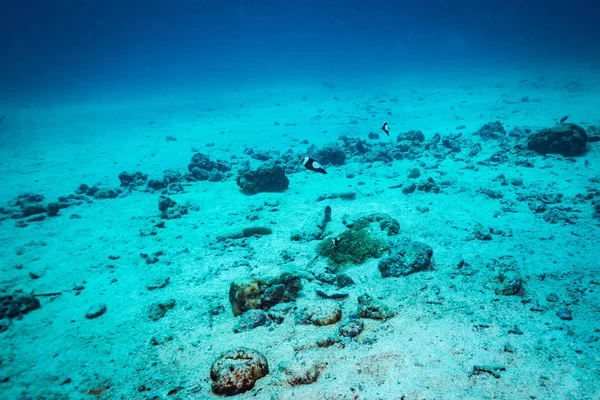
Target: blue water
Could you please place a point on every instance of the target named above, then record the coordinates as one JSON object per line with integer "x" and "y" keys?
{"x": 159, "y": 45}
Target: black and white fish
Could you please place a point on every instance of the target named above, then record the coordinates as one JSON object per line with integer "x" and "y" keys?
{"x": 386, "y": 128}
{"x": 310, "y": 164}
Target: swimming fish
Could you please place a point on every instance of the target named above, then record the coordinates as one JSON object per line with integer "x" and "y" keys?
{"x": 312, "y": 165}
{"x": 386, "y": 128}
{"x": 563, "y": 119}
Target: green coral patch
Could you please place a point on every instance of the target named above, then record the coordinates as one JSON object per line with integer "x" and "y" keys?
{"x": 354, "y": 246}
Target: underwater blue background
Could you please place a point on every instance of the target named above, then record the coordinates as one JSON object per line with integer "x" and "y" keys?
{"x": 159, "y": 44}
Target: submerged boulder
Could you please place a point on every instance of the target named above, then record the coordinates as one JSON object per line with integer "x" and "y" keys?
{"x": 266, "y": 178}
{"x": 237, "y": 371}
{"x": 566, "y": 139}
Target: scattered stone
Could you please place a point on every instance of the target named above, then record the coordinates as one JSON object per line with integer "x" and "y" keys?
{"x": 414, "y": 135}
{"x": 407, "y": 258}
{"x": 493, "y": 370}
{"x": 202, "y": 162}
{"x": 132, "y": 180}
{"x": 414, "y": 173}
{"x": 481, "y": 232}
{"x": 508, "y": 282}
{"x": 170, "y": 209}
{"x": 267, "y": 178}
{"x": 409, "y": 187}
{"x": 158, "y": 310}
{"x": 386, "y": 223}
{"x": 53, "y": 209}
{"x": 351, "y": 327}
{"x": 303, "y": 372}
{"x": 331, "y": 154}
{"x": 566, "y": 139}
{"x": 249, "y": 320}
{"x": 564, "y": 314}
{"x": 369, "y": 307}
{"x": 95, "y": 311}
{"x": 491, "y": 130}
{"x": 161, "y": 338}
{"x": 158, "y": 283}
{"x": 106, "y": 194}
{"x": 552, "y": 298}
{"x": 17, "y": 305}
{"x": 237, "y": 371}
{"x": 245, "y": 294}
{"x": 428, "y": 186}
{"x": 320, "y": 313}
{"x": 278, "y": 312}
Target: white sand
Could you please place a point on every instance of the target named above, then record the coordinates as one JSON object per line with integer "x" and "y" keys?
{"x": 425, "y": 352}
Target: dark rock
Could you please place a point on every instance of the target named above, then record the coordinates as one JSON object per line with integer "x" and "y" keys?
{"x": 106, "y": 194}
{"x": 331, "y": 154}
{"x": 385, "y": 221}
{"x": 132, "y": 180}
{"x": 564, "y": 314}
{"x": 245, "y": 294}
{"x": 16, "y": 305}
{"x": 508, "y": 282}
{"x": 414, "y": 173}
{"x": 236, "y": 371}
{"x": 202, "y": 161}
{"x": 351, "y": 328}
{"x": 158, "y": 310}
{"x": 200, "y": 174}
{"x": 82, "y": 189}
{"x": 267, "y": 178}
{"x": 409, "y": 187}
{"x": 170, "y": 209}
{"x": 160, "y": 339}
{"x": 249, "y": 320}
{"x": 95, "y": 311}
{"x": 492, "y": 130}
{"x": 278, "y": 312}
{"x": 157, "y": 184}
{"x": 273, "y": 295}
{"x": 428, "y": 186}
{"x": 53, "y": 209}
{"x": 566, "y": 139}
{"x": 411, "y": 136}
{"x": 343, "y": 280}
{"x": 407, "y": 257}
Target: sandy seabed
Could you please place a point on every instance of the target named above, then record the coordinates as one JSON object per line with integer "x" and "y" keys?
{"x": 447, "y": 319}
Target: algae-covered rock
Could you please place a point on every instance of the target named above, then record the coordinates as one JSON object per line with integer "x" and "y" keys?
{"x": 331, "y": 153}
{"x": 566, "y": 139}
{"x": 266, "y": 178}
{"x": 249, "y": 320}
{"x": 320, "y": 313}
{"x": 407, "y": 257}
{"x": 244, "y": 295}
{"x": 386, "y": 223}
{"x": 352, "y": 247}
{"x": 248, "y": 293}
{"x": 237, "y": 371}
{"x": 368, "y": 307}
{"x": 508, "y": 281}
